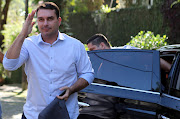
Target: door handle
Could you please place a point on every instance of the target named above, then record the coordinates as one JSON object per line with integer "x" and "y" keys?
{"x": 162, "y": 117}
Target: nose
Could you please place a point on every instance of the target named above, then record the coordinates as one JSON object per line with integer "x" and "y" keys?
{"x": 45, "y": 22}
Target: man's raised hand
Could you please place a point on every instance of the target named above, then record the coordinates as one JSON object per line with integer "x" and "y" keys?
{"x": 27, "y": 27}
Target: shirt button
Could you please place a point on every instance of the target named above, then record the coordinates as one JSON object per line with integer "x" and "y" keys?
{"x": 51, "y": 70}
{"x": 50, "y": 94}
{"x": 51, "y": 83}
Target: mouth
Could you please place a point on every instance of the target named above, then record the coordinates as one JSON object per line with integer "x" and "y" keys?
{"x": 46, "y": 29}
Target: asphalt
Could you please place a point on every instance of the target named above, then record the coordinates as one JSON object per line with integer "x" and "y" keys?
{"x": 12, "y": 100}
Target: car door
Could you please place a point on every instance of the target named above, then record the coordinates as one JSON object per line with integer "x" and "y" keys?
{"x": 170, "y": 98}
{"x": 137, "y": 75}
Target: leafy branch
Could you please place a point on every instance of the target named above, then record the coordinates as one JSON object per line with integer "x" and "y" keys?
{"x": 147, "y": 40}
{"x": 175, "y": 2}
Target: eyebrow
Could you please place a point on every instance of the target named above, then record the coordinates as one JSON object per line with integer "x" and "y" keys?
{"x": 47, "y": 17}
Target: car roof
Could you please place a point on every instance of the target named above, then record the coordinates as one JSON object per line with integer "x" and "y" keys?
{"x": 174, "y": 47}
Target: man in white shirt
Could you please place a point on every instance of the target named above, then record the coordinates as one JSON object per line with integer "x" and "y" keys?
{"x": 53, "y": 61}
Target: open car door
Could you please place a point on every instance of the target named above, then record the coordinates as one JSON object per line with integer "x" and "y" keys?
{"x": 137, "y": 75}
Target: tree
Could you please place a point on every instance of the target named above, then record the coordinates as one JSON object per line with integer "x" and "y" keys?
{"x": 87, "y": 5}
{"x": 4, "y": 7}
{"x": 171, "y": 14}
{"x": 15, "y": 20}
{"x": 174, "y": 3}
{"x": 24, "y": 83}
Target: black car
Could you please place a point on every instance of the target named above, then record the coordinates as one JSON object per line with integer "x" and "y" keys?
{"x": 134, "y": 80}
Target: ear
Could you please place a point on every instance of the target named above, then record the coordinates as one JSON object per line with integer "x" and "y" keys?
{"x": 102, "y": 45}
{"x": 59, "y": 20}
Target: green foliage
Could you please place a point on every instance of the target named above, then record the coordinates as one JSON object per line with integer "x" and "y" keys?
{"x": 84, "y": 6}
{"x": 100, "y": 15}
{"x": 117, "y": 26}
{"x": 174, "y": 3}
{"x": 86, "y": 47}
{"x": 147, "y": 40}
{"x": 10, "y": 33}
{"x": 105, "y": 9}
{"x": 80, "y": 6}
{"x": 16, "y": 18}
{"x": 14, "y": 23}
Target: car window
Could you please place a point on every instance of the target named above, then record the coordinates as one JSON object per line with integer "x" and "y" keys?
{"x": 174, "y": 77}
{"x": 137, "y": 69}
{"x": 178, "y": 82}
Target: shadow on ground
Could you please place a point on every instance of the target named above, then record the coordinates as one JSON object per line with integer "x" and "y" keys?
{"x": 12, "y": 101}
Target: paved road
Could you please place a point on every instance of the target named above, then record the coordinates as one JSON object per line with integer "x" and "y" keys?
{"x": 12, "y": 101}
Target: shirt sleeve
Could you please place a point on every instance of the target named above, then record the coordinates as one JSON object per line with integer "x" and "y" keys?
{"x": 84, "y": 66}
{"x": 14, "y": 64}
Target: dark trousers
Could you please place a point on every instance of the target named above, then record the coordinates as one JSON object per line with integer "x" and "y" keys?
{"x": 23, "y": 116}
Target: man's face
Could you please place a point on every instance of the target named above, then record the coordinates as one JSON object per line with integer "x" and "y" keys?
{"x": 94, "y": 47}
{"x": 48, "y": 23}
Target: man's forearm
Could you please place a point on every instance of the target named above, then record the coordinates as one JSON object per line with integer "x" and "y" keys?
{"x": 166, "y": 66}
{"x": 79, "y": 85}
{"x": 14, "y": 51}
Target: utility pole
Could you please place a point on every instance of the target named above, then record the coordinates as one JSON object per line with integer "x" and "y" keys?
{"x": 26, "y": 8}
{"x": 111, "y": 3}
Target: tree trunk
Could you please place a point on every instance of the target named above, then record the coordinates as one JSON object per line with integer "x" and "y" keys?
{"x": 24, "y": 80}
{"x": 3, "y": 17}
{"x": 24, "y": 77}
{"x": 0, "y": 13}
{"x": 4, "y": 14}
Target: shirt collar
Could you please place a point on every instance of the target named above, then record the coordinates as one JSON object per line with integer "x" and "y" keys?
{"x": 60, "y": 37}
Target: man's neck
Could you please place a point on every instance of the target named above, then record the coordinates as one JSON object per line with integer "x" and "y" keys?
{"x": 50, "y": 39}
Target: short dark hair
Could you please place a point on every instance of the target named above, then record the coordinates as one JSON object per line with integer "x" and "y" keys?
{"x": 49, "y": 5}
{"x": 97, "y": 39}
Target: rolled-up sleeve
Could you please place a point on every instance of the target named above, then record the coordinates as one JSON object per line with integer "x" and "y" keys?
{"x": 84, "y": 66}
{"x": 14, "y": 64}
{"x": 89, "y": 77}
{"x": 10, "y": 64}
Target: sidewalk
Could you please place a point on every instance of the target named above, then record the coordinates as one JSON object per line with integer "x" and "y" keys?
{"x": 12, "y": 101}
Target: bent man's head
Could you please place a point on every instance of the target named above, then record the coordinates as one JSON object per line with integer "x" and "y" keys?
{"x": 98, "y": 42}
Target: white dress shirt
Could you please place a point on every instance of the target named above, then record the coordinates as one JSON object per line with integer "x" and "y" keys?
{"x": 50, "y": 67}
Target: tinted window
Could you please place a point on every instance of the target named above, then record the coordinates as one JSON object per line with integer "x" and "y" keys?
{"x": 130, "y": 68}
